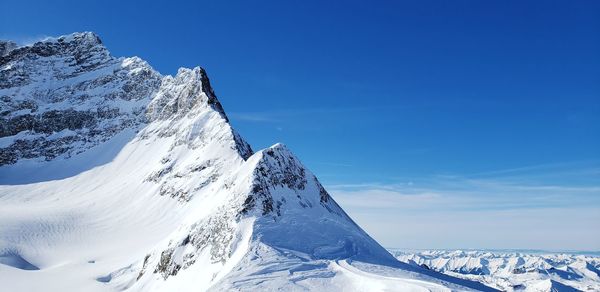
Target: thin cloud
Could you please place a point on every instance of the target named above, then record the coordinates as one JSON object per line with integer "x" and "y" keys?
{"x": 334, "y": 163}
{"x": 287, "y": 114}
{"x": 252, "y": 117}
{"x": 462, "y": 212}
{"x": 573, "y": 167}
{"x": 461, "y": 193}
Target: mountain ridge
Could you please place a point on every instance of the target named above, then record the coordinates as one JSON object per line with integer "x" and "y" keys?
{"x": 510, "y": 270}
{"x": 143, "y": 94}
{"x": 116, "y": 177}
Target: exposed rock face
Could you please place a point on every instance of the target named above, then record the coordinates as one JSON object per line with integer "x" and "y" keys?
{"x": 183, "y": 204}
{"x": 6, "y": 47}
{"x": 189, "y": 89}
{"x": 214, "y": 234}
{"x": 62, "y": 96}
{"x": 278, "y": 168}
{"x": 65, "y": 57}
{"x": 276, "y": 187}
{"x": 186, "y": 95}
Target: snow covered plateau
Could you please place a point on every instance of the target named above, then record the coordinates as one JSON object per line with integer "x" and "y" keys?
{"x": 115, "y": 177}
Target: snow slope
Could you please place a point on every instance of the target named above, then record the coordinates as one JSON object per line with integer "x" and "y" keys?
{"x": 114, "y": 177}
{"x": 513, "y": 270}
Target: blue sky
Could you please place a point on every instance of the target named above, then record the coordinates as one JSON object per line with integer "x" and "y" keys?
{"x": 436, "y": 124}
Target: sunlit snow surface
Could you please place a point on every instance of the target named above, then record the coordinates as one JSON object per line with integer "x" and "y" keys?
{"x": 513, "y": 270}
{"x": 114, "y": 177}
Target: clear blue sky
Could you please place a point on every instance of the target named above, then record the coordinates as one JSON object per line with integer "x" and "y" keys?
{"x": 417, "y": 115}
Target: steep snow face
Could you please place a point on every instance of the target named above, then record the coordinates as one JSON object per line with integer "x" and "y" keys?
{"x": 289, "y": 202}
{"x": 513, "y": 271}
{"x": 115, "y": 177}
{"x": 272, "y": 203}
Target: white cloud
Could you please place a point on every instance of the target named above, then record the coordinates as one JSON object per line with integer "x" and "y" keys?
{"x": 289, "y": 114}
{"x": 458, "y": 212}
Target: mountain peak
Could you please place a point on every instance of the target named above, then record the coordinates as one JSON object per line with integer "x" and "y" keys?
{"x": 193, "y": 91}
{"x": 279, "y": 147}
{"x": 138, "y": 177}
{"x": 199, "y": 75}
{"x": 86, "y": 37}
{"x": 80, "y": 45}
{"x": 83, "y": 40}
{"x": 76, "y": 88}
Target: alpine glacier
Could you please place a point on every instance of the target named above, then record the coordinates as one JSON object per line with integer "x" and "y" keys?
{"x": 115, "y": 177}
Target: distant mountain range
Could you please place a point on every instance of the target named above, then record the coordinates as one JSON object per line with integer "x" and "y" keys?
{"x": 513, "y": 270}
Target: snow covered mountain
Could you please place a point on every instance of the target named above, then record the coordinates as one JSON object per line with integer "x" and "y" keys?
{"x": 114, "y": 177}
{"x": 513, "y": 271}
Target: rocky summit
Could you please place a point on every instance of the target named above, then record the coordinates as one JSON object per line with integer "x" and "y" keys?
{"x": 115, "y": 177}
